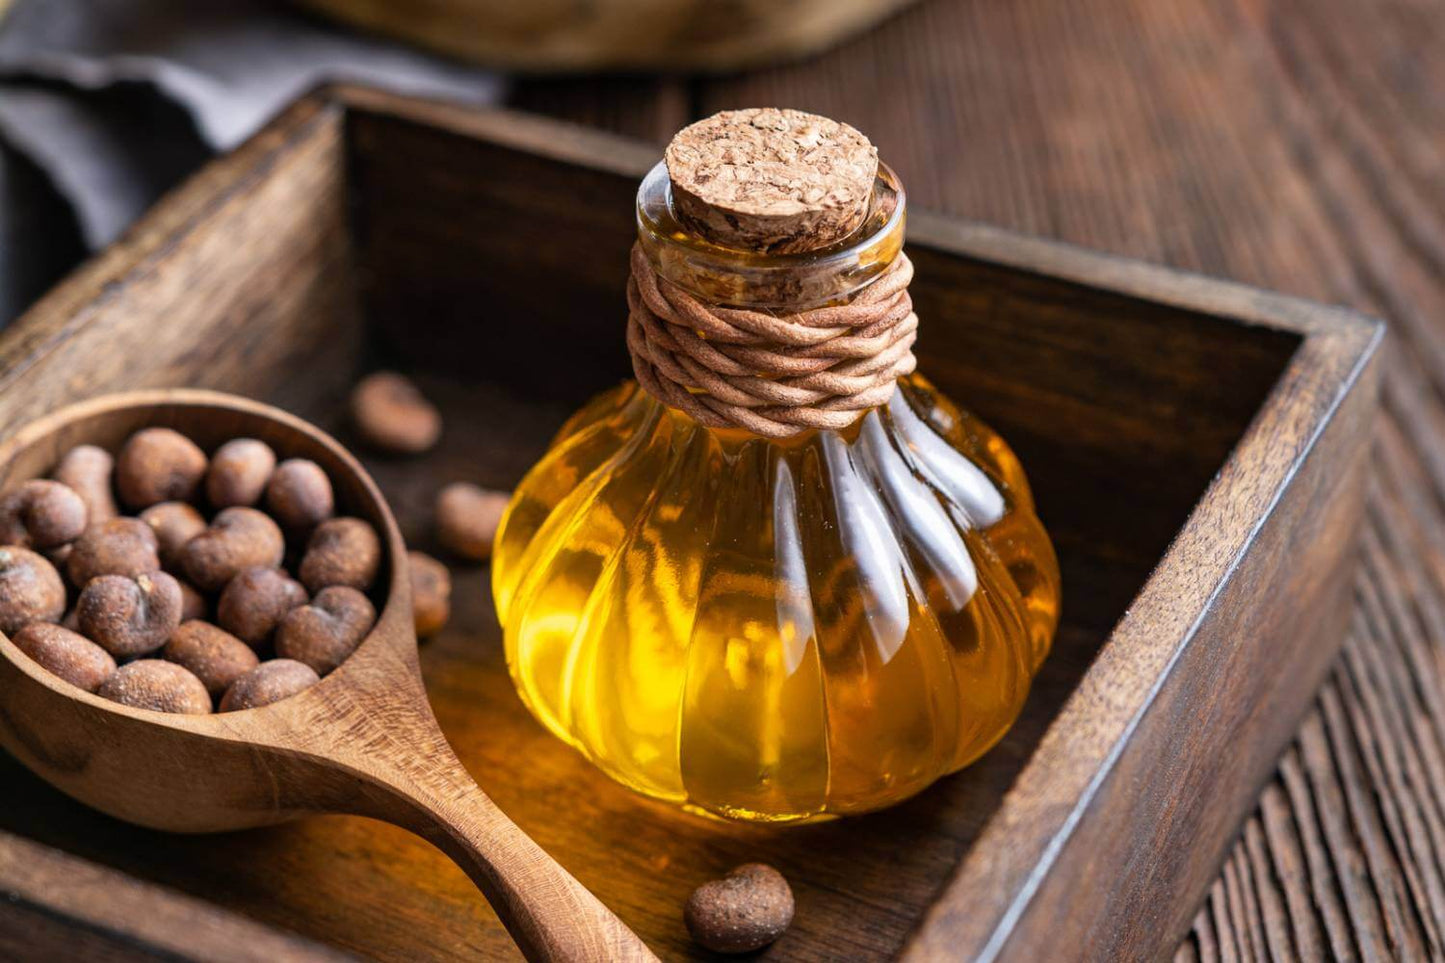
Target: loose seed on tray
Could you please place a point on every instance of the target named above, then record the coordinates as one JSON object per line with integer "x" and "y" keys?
{"x": 87, "y": 471}
{"x": 342, "y": 551}
{"x": 214, "y": 656}
{"x": 431, "y": 594}
{"x": 174, "y": 524}
{"x": 467, "y": 517}
{"x": 299, "y": 495}
{"x": 130, "y": 616}
{"x": 267, "y": 683}
{"x": 41, "y": 514}
{"x": 328, "y": 630}
{"x": 158, "y": 465}
{"x": 117, "y": 546}
{"x": 31, "y": 590}
{"x": 159, "y": 686}
{"x": 254, "y": 602}
{"x": 237, "y": 539}
{"x": 744, "y": 911}
{"x": 67, "y": 654}
{"x": 239, "y": 472}
{"x": 392, "y": 414}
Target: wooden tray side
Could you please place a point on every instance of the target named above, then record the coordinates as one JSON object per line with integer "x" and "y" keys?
{"x": 248, "y": 263}
{"x": 54, "y": 900}
{"x": 1201, "y": 685}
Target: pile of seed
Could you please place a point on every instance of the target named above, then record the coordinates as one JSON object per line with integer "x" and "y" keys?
{"x": 233, "y": 584}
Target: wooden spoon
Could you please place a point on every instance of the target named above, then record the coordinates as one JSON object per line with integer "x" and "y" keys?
{"x": 364, "y": 741}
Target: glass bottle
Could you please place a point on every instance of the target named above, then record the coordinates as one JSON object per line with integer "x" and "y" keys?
{"x": 775, "y": 629}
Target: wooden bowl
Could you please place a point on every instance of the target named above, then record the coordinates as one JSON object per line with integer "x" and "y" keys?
{"x": 363, "y": 741}
{"x": 562, "y": 35}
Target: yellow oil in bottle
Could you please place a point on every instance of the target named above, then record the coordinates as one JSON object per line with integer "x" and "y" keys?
{"x": 775, "y": 630}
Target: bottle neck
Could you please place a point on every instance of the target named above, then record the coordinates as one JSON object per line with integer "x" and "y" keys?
{"x": 779, "y": 284}
{"x": 774, "y": 344}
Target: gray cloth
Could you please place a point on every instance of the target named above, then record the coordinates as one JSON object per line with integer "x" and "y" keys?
{"x": 113, "y": 101}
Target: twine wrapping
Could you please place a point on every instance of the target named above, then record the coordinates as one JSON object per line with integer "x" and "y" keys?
{"x": 774, "y": 376}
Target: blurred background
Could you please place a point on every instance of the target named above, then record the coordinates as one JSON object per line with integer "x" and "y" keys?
{"x": 1294, "y": 144}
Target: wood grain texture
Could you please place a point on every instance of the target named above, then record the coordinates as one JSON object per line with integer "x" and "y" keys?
{"x": 1295, "y": 144}
{"x": 53, "y": 900}
{"x": 1058, "y": 348}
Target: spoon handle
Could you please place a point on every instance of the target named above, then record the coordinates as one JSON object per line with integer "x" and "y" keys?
{"x": 551, "y": 917}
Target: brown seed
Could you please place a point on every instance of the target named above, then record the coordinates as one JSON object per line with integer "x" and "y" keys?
{"x": 130, "y": 616}
{"x": 391, "y": 414}
{"x": 239, "y": 472}
{"x": 467, "y": 518}
{"x": 158, "y": 465}
{"x": 328, "y": 630}
{"x": 267, "y": 683}
{"x": 59, "y": 555}
{"x": 238, "y": 539}
{"x": 255, "y": 601}
{"x": 66, "y": 654}
{"x": 41, "y": 514}
{"x": 31, "y": 590}
{"x": 299, "y": 494}
{"x": 159, "y": 686}
{"x": 215, "y": 657}
{"x": 117, "y": 546}
{"x": 86, "y": 470}
{"x": 175, "y": 524}
{"x": 342, "y": 551}
{"x": 431, "y": 594}
{"x": 193, "y": 603}
{"x": 744, "y": 911}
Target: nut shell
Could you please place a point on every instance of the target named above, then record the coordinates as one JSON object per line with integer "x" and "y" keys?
{"x": 130, "y": 616}
{"x": 193, "y": 603}
{"x": 742, "y": 912}
{"x": 328, "y": 630}
{"x": 158, "y": 465}
{"x": 174, "y": 524}
{"x": 467, "y": 517}
{"x": 392, "y": 415}
{"x": 158, "y": 686}
{"x": 239, "y": 472}
{"x": 255, "y": 601}
{"x": 215, "y": 657}
{"x": 267, "y": 683}
{"x": 31, "y": 590}
{"x": 41, "y": 514}
{"x": 87, "y": 470}
{"x": 342, "y": 551}
{"x": 66, "y": 654}
{"x": 431, "y": 594}
{"x": 299, "y": 495}
{"x": 117, "y": 546}
{"x": 237, "y": 539}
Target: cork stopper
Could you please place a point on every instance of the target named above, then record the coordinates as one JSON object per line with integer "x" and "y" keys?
{"x": 770, "y": 180}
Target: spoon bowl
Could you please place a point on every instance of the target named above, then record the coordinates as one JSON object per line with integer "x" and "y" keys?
{"x": 363, "y": 741}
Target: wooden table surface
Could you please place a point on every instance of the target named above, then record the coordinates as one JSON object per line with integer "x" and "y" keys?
{"x": 1293, "y": 144}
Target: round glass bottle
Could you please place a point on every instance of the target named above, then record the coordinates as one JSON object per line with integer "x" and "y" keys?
{"x": 775, "y": 629}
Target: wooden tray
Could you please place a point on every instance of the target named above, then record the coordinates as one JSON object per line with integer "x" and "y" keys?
{"x": 1197, "y": 450}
